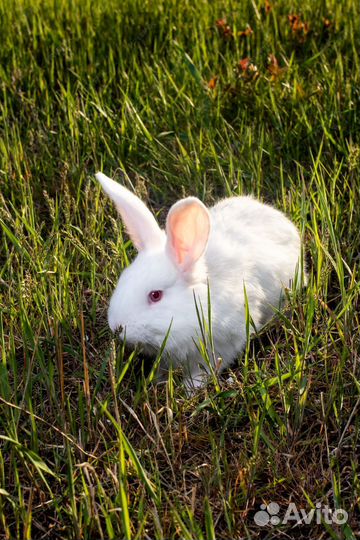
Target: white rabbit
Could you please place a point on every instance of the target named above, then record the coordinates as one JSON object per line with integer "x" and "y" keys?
{"x": 237, "y": 245}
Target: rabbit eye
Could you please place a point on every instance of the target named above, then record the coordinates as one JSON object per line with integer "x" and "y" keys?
{"x": 155, "y": 296}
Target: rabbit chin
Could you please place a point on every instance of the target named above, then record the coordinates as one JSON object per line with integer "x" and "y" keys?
{"x": 180, "y": 332}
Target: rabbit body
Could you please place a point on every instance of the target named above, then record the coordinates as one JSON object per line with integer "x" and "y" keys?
{"x": 238, "y": 247}
{"x": 253, "y": 249}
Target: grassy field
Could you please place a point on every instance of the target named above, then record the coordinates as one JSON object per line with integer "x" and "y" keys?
{"x": 174, "y": 98}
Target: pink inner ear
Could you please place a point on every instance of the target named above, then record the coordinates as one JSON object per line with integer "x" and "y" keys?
{"x": 188, "y": 227}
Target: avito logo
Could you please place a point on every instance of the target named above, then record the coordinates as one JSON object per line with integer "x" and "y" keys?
{"x": 269, "y": 515}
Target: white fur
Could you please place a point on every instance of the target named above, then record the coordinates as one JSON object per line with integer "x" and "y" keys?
{"x": 238, "y": 243}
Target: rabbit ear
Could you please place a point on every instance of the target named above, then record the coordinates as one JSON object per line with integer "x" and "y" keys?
{"x": 139, "y": 221}
{"x": 187, "y": 228}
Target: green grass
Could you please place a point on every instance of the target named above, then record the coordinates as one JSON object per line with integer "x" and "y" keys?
{"x": 89, "y": 448}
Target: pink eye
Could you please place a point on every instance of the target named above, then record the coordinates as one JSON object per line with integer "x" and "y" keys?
{"x": 155, "y": 296}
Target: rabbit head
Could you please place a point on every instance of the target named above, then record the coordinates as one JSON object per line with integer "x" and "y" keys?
{"x": 156, "y": 291}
